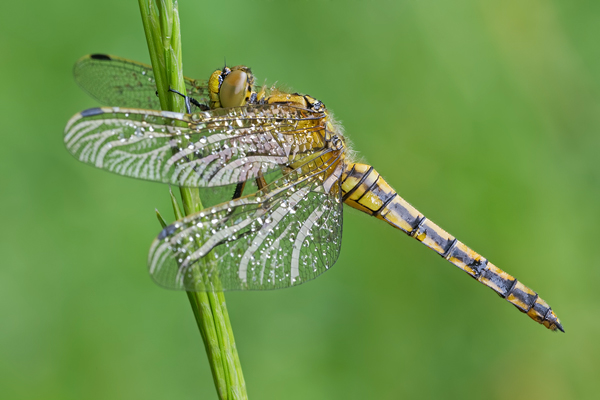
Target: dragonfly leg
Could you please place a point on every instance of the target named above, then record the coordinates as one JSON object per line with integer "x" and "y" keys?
{"x": 261, "y": 181}
{"x": 189, "y": 100}
{"x": 239, "y": 189}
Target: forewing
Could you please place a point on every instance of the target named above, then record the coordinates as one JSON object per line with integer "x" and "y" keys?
{"x": 117, "y": 81}
{"x": 287, "y": 235}
{"x": 211, "y": 148}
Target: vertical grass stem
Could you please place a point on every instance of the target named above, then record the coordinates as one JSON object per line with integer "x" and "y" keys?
{"x": 161, "y": 25}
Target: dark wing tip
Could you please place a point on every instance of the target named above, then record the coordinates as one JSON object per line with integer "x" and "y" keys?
{"x": 90, "y": 112}
{"x": 169, "y": 230}
{"x": 100, "y": 57}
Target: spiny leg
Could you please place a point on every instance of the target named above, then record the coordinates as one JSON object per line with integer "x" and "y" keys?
{"x": 261, "y": 183}
{"x": 239, "y": 189}
{"x": 189, "y": 100}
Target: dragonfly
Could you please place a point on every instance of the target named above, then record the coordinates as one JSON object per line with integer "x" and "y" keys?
{"x": 278, "y": 169}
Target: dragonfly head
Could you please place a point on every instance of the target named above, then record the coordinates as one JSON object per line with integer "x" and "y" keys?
{"x": 231, "y": 87}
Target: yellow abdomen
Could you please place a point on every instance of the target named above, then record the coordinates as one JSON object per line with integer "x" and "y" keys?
{"x": 364, "y": 189}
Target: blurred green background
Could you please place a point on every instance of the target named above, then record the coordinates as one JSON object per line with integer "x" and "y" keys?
{"x": 483, "y": 114}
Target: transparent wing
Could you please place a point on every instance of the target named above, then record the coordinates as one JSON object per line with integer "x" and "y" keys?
{"x": 286, "y": 235}
{"x": 114, "y": 80}
{"x": 211, "y": 148}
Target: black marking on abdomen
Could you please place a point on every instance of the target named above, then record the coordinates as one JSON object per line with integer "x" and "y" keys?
{"x": 416, "y": 229}
{"x": 399, "y": 209}
{"x": 349, "y": 174}
{"x": 448, "y": 253}
{"x": 369, "y": 190}
{"x": 540, "y": 309}
{"x": 385, "y": 204}
{"x": 478, "y": 266}
{"x": 509, "y": 291}
{"x": 532, "y": 303}
{"x": 548, "y": 314}
{"x": 348, "y": 194}
{"x": 501, "y": 285}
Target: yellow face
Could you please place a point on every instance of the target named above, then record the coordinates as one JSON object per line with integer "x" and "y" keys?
{"x": 231, "y": 87}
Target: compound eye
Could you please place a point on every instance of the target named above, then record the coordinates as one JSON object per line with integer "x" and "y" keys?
{"x": 233, "y": 89}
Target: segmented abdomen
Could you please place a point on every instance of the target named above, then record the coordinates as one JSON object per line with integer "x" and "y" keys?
{"x": 364, "y": 189}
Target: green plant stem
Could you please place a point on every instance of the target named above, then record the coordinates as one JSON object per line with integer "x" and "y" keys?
{"x": 161, "y": 25}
